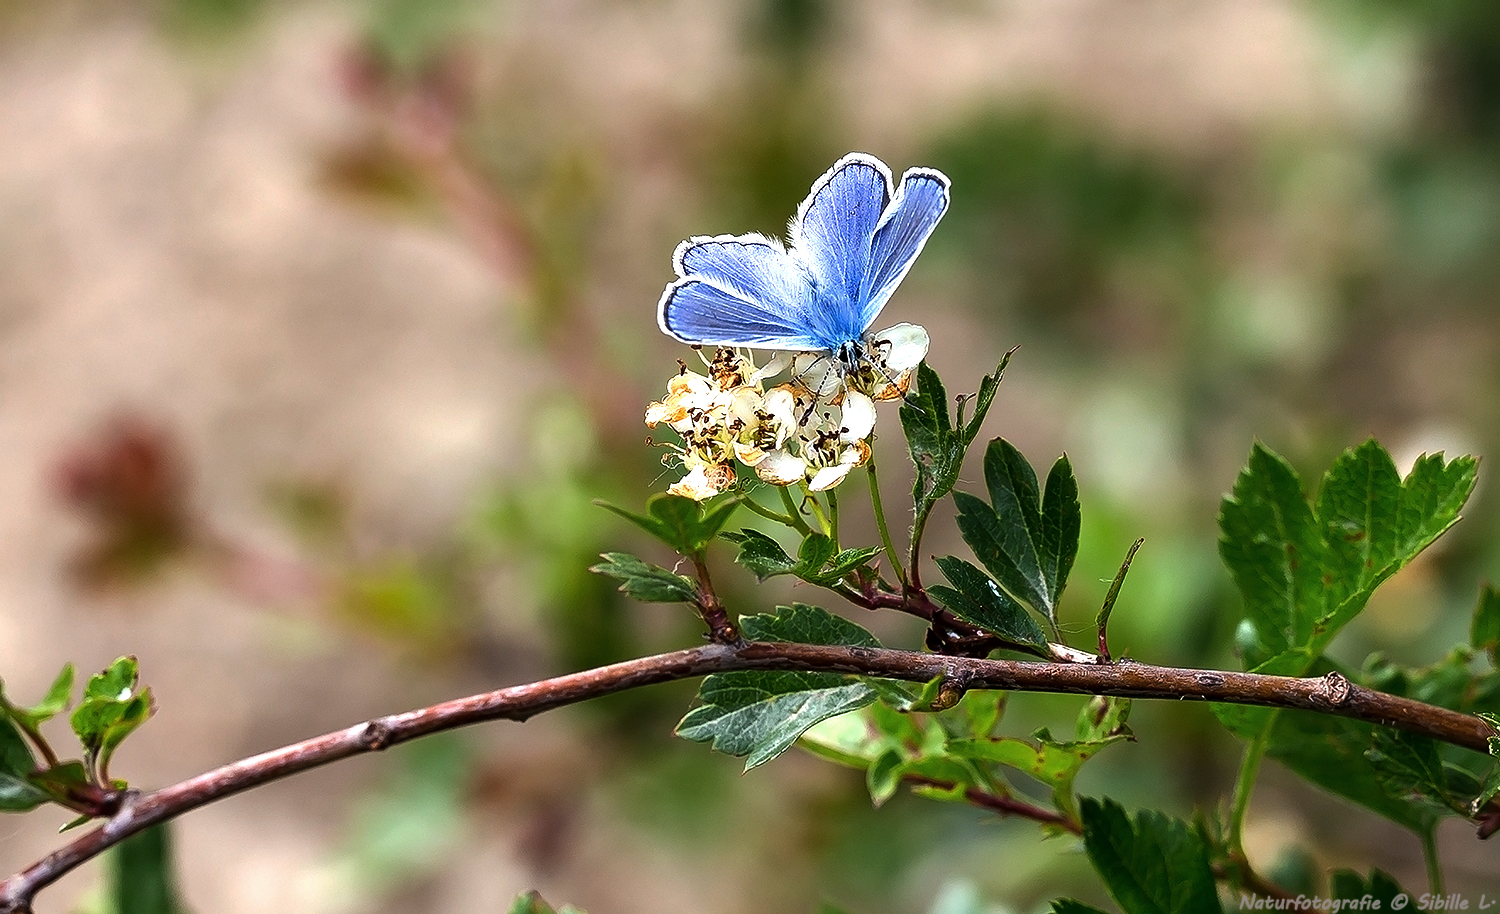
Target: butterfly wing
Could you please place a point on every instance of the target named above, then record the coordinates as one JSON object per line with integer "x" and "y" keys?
{"x": 832, "y": 233}
{"x": 920, "y": 202}
{"x": 738, "y": 290}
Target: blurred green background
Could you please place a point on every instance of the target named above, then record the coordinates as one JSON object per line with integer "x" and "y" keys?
{"x": 322, "y": 324}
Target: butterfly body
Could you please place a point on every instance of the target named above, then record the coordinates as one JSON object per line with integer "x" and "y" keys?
{"x": 851, "y": 243}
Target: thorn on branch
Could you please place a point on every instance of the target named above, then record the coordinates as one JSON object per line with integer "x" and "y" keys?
{"x": 1101, "y": 622}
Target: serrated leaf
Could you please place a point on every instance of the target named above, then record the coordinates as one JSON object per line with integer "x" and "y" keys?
{"x": 682, "y": 523}
{"x": 111, "y": 709}
{"x": 17, "y": 793}
{"x": 1061, "y": 523}
{"x": 1330, "y": 752}
{"x": 758, "y": 714}
{"x": 1304, "y": 573}
{"x": 645, "y": 582}
{"x": 936, "y": 445}
{"x": 1027, "y": 549}
{"x": 1494, "y": 721}
{"x": 1381, "y": 888}
{"x": 1153, "y": 864}
{"x": 818, "y": 560}
{"x": 1484, "y": 630}
{"x": 978, "y": 600}
{"x": 141, "y": 875}
{"x": 761, "y": 554}
{"x": 1409, "y": 767}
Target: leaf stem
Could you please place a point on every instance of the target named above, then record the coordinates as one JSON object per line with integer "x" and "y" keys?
{"x": 1430, "y": 857}
{"x": 833, "y": 518}
{"x": 721, "y": 629}
{"x": 816, "y": 506}
{"x": 1244, "y": 785}
{"x": 793, "y": 512}
{"x": 885, "y": 529}
{"x": 758, "y": 508}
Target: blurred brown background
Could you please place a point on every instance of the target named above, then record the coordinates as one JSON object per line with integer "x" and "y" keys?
{"x": 321, "y": 324}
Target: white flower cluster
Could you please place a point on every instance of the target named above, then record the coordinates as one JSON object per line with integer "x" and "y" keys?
{"x": 812, "y": 429}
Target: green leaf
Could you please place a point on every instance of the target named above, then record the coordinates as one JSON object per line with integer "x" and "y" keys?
{"x": 1302, "y": 572}
{"x": 1029, "y": 550}
{"x": 141, "y": 877}
{"x": 1484, "y": 631}
{"x": 818, "y": 561}
{"x": 759, "y": 714}
{"x": 1152, "y": 865}
{"x": 644, "y": 582}
{"x": 1380, "y": 887}
{"x": 761, "y": 554}
{"x": 682, "y": 523}
{"x": 1055, "y": 764}
{"x": 111, "y": 710}
{"x": 1330, "y": 752}
{"x": 978, "y": 600}
{"x": 1494, "y": 741}
{"x": 936, "y": 443}
{"x": 1061, "y": 521}
{"x": 17, "y": 793}
{"x": 532, "y": 903}
{"x": 55, "y": 700}
{"x": 1071, "y": 906}
{"x": 67, "y": 784}
{"x": 1102, "y": 718}
{"x": 1409, "y": 767}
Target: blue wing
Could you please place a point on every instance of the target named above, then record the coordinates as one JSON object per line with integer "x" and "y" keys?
{"x": 738, "y": 291}
{"x": 833, "y": 232}
{"x": 920, "y": 202}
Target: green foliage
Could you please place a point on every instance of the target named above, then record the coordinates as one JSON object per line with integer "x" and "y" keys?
{"x": 644, "y": 582}
{"x": 976, "y": 599}
{"x": 1347, "y": 885}
{"x": 110, "y": 710}
{"x": 1152, "y": 865}
{"x": 1025, "y": 537}
{"x": 685, "y": 525}
{"x": 819, "y": 561}
{"x": 1484, "y": 630}
{"x": 1304, "y": 570}
{"x": 17, "y": 792}
{"x": 532, "y": 903}
{"x": 141, "y": 879}
{"x": 937, "y": 442}
{"x": 759, "y": 715}
{"x": 1411, "y": 767}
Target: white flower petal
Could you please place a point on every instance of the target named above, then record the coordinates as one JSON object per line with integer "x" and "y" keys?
{"x": 780, "y": 468}
{"x": 858, "y": 417}
{"x": 900, "y": 348}
{"x": 828, "y": 477}
{"x": 702, "y": 482}
{"x": 778, "y": 363}
{"x": 818, "y": 372}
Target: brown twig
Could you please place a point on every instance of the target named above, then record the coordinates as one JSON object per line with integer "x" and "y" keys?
{"x": 1332, "y": 694}
{"x": 1005, "y": 806}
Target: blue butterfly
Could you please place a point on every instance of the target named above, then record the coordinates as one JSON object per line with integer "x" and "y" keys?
{"x": 851, "y": 243}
